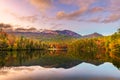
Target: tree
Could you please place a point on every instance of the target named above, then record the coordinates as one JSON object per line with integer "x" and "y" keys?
{"x": 118, "y": 31}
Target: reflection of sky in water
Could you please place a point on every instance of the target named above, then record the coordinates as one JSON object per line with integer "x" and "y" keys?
{"x": 84, "y": 70}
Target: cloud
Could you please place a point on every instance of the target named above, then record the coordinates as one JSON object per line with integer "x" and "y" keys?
{"x": 95, "y": 20}
{"x": 112, "y": 18}
{"x": 83, "y": 7}
{"x": 78, "y": 13}
{"x": 114, "y": 5}
{"x": 57, "y": 26}
{"x": 84, "y": 10}
{"x": 114, "y": 10}
{"x": 88, "y": 8}
{"x": 42, "y": 5}
{"x": 96, "y": 9}
{"x": 5, "y": 26}
{"x": 32, "y": 29}
{"x": 80, "y": 3}
{"x": 29, "y": 18}
{"x": 73, "y": 15}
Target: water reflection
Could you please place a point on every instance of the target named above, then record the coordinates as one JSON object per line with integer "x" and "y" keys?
{"x": 53, "y": 58}
{"x": 83, "y": 71}
{"x": 42, "y": 58}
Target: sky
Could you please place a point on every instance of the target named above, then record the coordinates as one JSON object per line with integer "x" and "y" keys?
{"x": 81, "y": 16}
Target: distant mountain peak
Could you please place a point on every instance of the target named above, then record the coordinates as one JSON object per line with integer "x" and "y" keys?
{"x": 95, "y": 34}
{"x": 68, "y": 33}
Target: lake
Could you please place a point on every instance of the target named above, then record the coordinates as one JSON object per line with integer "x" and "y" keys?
{"x": 57, "y": 65}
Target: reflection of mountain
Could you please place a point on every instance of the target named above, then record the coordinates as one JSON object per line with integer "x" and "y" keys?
{"x": 104, "y": 70}
{"x": 83, "y": 71}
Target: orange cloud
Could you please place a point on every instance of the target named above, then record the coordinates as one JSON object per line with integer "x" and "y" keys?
{"x": 96, "y": 9}
{"x": 42, "y": 5}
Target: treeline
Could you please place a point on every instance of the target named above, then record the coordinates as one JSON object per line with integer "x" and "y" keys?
{"x": 11, "y": 42}
{"x": 109, "y": 45}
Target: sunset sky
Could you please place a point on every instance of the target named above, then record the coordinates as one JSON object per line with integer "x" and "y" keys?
{"x": 81, "y": 16}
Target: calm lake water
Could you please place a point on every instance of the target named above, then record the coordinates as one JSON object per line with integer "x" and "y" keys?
{"x": 58, "y": 65}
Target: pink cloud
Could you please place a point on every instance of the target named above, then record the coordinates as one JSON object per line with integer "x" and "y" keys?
{"x": 73, "y": 15}
{"x": 84, "y": 9}
{"x": 111, "y": 18}
{"x": 95, "y": 19}
{"x": 25, "y": 10}
{"x": 29, "y": 18}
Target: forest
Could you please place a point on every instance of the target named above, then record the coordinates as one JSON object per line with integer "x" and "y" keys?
{"x": 11, "y": 42}
{"x": 107, "y": 44}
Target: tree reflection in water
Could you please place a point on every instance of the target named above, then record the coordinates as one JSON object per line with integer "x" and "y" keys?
{"x": 53, "y": 58}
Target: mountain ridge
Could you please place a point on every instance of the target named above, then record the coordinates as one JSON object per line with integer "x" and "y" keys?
{"x": 53, "y": 35}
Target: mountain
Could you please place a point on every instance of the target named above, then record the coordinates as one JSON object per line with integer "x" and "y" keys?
{"x": 48, "y": 35}
{"x": 92, "y": 35}
{"x": 69, "y": 33}
{"x": 52, "y": 35}
{"x": 47, "y": 32}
